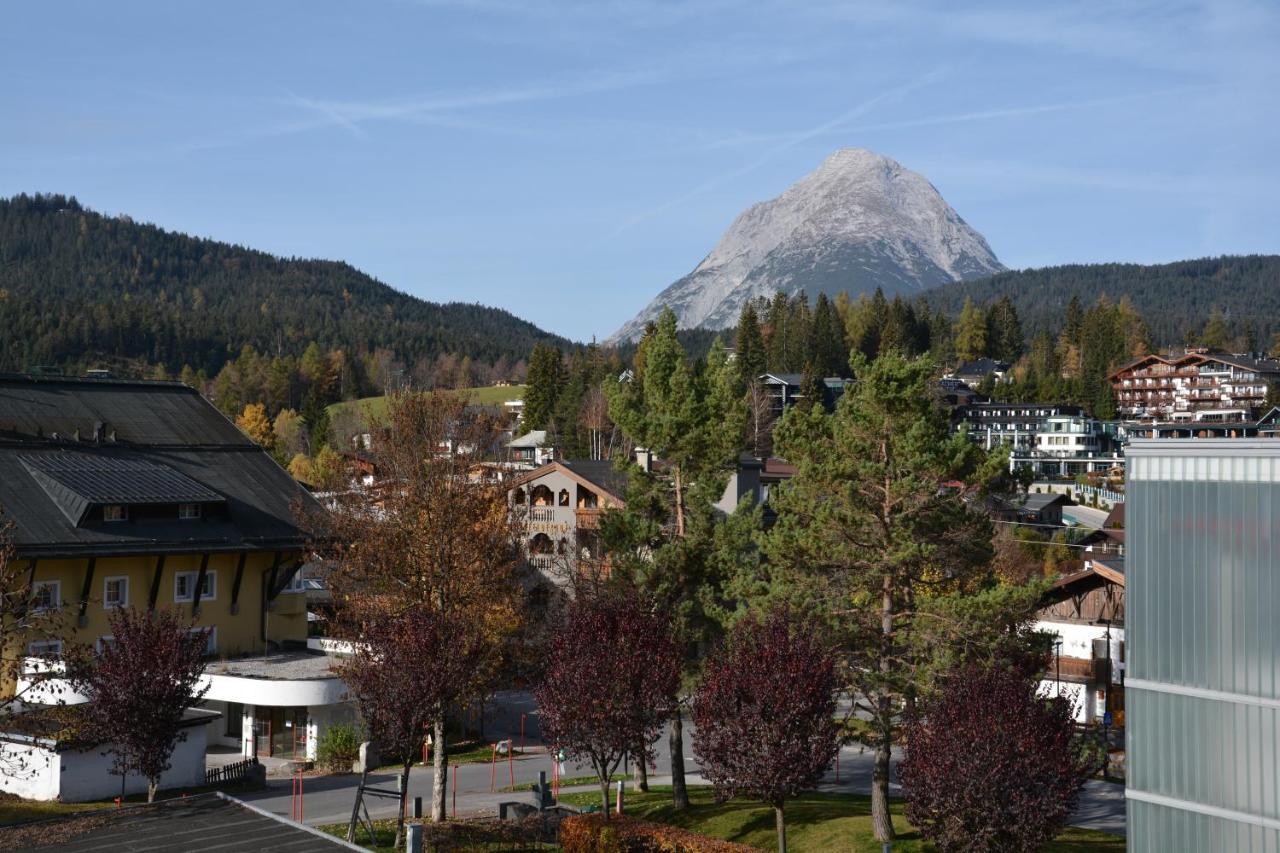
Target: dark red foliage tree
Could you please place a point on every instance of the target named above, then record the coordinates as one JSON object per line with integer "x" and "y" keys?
{"x": 139, "y": 686}
{"x": 765, "y": 713}
{"x": 611, "y": 678}
{"x": 406, "y": 667}
{"x": 991, "y": 766}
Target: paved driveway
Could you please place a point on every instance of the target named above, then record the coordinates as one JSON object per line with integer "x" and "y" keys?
{"x": 329, "y": 799}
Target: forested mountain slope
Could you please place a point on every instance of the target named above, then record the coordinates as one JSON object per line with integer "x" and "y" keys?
{"x": 79, "y": 288}
{"x": 1174, "y": 299}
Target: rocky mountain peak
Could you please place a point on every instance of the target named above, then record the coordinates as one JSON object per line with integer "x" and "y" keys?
{"x": 858, "y": 222}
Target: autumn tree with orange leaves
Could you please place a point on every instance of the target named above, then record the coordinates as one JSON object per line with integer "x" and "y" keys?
{"x": 432, "y": 543}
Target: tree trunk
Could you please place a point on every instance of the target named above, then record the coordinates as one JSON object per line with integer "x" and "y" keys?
{"x": 679, "y": 495}
{"x": 881, "y": 820}
{"x": 604, "y": 795}
{"x": 440, "y": 777}
{"x": 404, "y": 793}
{"x": 679, "y": 793}
{"x": 642, "y": 772}
{"x": 782, "y": 829}
{"x": 152, "y": 785}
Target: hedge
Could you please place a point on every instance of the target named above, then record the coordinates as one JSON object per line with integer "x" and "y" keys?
{"x": 590, "y": 833}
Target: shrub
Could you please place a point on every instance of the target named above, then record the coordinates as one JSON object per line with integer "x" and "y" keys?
{"x": 991, "y": 766}
{"x": 590, "y": 833}
{"x": 338, "y": 747}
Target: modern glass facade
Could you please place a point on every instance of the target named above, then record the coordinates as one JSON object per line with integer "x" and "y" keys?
{"x": 1203, "y": 624}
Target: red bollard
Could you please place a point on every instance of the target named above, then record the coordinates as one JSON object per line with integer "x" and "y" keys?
{"x": 119, "y": 803}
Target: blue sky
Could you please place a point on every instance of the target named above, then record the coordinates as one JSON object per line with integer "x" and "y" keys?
{"x": 569, "y": 160}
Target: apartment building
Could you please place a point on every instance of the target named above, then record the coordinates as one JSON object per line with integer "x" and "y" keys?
{"x": 1203, "y": 678}
{"x": 139, "y": 494}
{"x": 1198, "y": 386}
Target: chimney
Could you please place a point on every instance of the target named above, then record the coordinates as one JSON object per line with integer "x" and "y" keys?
{"x": 644, "y": 458}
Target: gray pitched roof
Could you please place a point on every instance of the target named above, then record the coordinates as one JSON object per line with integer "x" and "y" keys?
{"x": 602, "y": 473}
{"x": 157, "y": 443}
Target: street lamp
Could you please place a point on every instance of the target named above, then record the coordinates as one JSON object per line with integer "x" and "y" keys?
{"x": 1057, "y": 664}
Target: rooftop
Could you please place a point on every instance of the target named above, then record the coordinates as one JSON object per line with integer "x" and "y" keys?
{"x": 68, "y": 443}
{"x": 602, "y": 473}
{"x": 292, "y": 666}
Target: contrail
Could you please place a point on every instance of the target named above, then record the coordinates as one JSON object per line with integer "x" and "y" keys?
{"x": 789, "y": 142}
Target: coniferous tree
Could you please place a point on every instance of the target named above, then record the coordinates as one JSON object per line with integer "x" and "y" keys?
{"x": 1216, "y": 334}
{"x": 751, "y": 357}
{"x": 1004, "y": 332}
{"x": 542, "y": 390}
{"x": 669, "y": 539}
{"x": 830, "y": 350}
{"x": 869, "y": 527}
{"x": 971, "y": 332}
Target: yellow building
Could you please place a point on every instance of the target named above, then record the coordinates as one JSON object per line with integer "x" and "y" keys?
{"x": 141, "y": 494}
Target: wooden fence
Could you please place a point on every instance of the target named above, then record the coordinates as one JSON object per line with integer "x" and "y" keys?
{"x": 236, "y": 772}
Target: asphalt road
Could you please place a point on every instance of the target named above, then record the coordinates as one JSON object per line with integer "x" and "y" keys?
{"x": 1087, "y": 516}
{"x": 329, "y": 799}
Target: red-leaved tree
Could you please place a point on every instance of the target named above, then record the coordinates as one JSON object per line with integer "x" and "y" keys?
{"x": 765, "y": 712}
{"x": 407, "y": 665}
{"x": 611, "y": 677}
{"x": 992, "y": 766}
{"x": 139, "y": 686}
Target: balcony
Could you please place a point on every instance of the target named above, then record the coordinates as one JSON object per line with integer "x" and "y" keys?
{"x": 1074, "y": 669}
{"x": 588, "y": 519}
{"x": 542, "y": 513}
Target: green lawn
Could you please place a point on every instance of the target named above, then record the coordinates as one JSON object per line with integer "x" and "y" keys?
{"x": 464, "y": 752}
{"x": 375, "y": 408}
{"x": 814, "y": 822}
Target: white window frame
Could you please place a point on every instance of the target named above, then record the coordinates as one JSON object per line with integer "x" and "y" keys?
{"x": 190, "y": 512}
{"x": 124, "y": 513}
{"x": 102, "y": 642}
{"x": 297, "y": 583}
{"x": 51, "y": 647}
{"x": 124, "y": 598}
{"x": 56, "y": 597}
{"x": 211, "y": 580}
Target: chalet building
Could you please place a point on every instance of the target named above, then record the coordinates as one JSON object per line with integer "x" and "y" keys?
{"x": 752, "y": 480}
{"x": 1199, "y": 386}
{"x": 561, "y": 503}
{"x": 784, "y": 389}
{"x": 531, "y": 449}
{"x": 141, "y": 494}
{"x": 1084, "y": 615}
{"x": 974, "y": 373}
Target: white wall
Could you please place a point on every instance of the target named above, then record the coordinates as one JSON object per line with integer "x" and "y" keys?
{"x": 83, "y": 776}
{"x": 1077, "y": 641}
{"x": 1081, "y": 708}
{"x": 320, "y": 718}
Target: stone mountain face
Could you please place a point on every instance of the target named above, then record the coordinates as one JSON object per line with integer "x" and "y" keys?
{"x": 859, "y": 222}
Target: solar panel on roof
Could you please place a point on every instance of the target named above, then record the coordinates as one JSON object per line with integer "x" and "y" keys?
{"x": 102, "y": 479}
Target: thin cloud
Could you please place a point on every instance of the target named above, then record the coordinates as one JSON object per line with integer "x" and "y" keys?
{"x": 788, "y": 142}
